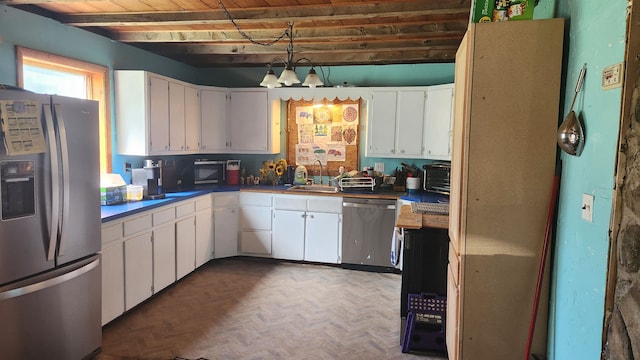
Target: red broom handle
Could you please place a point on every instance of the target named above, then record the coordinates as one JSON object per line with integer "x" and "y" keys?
{"x": 545, "y": 246}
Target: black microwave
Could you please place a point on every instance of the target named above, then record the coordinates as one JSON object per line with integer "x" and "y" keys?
{"x": 209, "y": 172}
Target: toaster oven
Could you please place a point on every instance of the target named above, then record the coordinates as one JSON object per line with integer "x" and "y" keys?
{"x": 436, "y": 177}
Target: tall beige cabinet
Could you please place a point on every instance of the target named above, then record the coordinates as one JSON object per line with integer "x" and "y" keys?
{"x": 507, "y": 88}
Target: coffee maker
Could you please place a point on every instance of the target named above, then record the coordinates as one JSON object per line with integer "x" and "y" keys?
{"x": 154, "y": 181}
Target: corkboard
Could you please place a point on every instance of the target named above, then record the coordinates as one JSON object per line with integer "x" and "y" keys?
{"x": 334, "y": 122}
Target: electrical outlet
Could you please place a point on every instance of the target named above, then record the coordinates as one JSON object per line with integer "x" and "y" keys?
{"x": 612, "y": 77}
{"x": 587, "y": 207}
{"x": 378, "y": 167}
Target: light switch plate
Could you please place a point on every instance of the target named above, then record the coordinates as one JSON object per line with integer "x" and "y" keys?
{"x": 587, "y": 207}
{"x": 612, "y": 77}
{"x": 378, "y": 167}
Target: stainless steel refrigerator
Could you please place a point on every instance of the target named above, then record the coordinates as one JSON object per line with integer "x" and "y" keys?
{"x": 50, "y": 271}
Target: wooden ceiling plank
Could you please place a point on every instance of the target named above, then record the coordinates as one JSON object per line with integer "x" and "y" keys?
{"x": 329, "y": 32}
{"x": 461, "y": 20}
{"x": 280, "y": 15}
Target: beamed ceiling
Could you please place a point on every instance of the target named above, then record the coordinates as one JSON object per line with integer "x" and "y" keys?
{"x": 328, "y": 32}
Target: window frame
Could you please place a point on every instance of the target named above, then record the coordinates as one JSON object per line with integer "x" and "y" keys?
{"x": 97, "y": 77}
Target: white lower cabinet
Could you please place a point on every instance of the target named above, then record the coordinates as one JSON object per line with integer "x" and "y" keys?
{"x": 164, "y": 254}
{"x": 138, "y": 269}
{"x": 226, "y": 221}
{"x": 204, "y": 230}
{"x": 307, "y": 228}
{"x": 185, "y": 239}
{"x": 204, "y": 237}
{"x": 255, "y": 223}
{"x": 146, "y": 252}
{"x": 164, "y": 247}
{"x": 185, "y": 246}
{"x": 112, "y": 278}
{"x": 323, "y": 237}
{"x": 288, "y": 234}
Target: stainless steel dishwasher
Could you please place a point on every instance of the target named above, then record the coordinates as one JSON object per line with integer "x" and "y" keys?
{"x": 367, "y": 230}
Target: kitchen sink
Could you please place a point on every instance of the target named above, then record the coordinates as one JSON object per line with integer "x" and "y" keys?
{"x": 315, "y": 188}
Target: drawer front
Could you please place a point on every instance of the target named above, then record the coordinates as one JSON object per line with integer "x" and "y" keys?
{"x": 225, "y": 200}
{"x": 139, "y": 224}
{"x": 111, "y": 232}
{"x": 291, "y": 202}
{"x": 259, "y": 199}
{"x": 163, "y": 216}
{"x": 325, "y": 204}
{"x": 203, "y": 202}
{"x": 185, "y": 209}
{"x": 454, "y": 264}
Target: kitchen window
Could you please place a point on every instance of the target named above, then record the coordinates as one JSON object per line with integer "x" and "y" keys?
{"x": 52, "y": 74}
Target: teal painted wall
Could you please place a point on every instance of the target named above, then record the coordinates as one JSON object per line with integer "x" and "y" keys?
{"x": 596, "y": 37}
{"x": 371, "y": 75}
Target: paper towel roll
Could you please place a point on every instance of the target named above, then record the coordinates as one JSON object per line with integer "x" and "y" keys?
{"x": 413, "y": 183}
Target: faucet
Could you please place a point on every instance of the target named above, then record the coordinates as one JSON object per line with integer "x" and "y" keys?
{"x": 319, "y": 162}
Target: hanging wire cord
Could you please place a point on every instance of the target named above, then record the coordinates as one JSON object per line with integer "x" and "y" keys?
{"x": 288, "y": 32}
{"x": 246, "y": 36}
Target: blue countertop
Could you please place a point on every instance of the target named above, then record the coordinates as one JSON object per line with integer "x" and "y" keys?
{"x": 114, "y": 212}
{"x": 426, "y": 197}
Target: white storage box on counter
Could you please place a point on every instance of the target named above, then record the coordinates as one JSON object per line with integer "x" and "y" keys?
{"x": 113, "y": 189}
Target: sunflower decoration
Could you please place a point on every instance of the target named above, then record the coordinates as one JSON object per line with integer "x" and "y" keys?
{"x": 280, "y": 167}
{"x": 271, "y": 172}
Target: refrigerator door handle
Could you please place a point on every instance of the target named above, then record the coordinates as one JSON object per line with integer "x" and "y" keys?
{"x": 55, "y": 184}
{"x": 47, "y": 283}
{"x": 64, "y": 154}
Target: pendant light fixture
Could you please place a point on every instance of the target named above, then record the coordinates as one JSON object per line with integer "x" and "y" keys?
{"x": 288, "y": 76}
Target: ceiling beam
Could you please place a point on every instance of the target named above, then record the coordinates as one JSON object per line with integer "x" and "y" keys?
{"x": 308, "y": 49}
{"x": 394, "y": 56}
{"x": 339, "y": 33}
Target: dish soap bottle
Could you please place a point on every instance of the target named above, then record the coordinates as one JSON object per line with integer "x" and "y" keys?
{"x": 301, "y": 175}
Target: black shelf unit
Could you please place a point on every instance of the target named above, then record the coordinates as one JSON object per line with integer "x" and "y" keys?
{"x": 424, "y": 271}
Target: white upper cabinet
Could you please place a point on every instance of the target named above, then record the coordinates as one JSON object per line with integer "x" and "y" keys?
{"x": 405, "y": 123}
{"x": 410, "y": 123}
{"x": 157, "y": 119}
{"x": 239, "y": 121}
{"x": 438, "y": 121}
{"x": 192, "y": 118}
{"x": 213, "y": 111}
{"x": 396, "y": 122}
{"x": 155, "y": 115}
{"x": 381, "y": 139}
{"x": 254, "y": 124}
{"x": 176, "y": 117}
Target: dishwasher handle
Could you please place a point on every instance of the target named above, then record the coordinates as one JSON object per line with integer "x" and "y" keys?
{"x": 369, "y": 206}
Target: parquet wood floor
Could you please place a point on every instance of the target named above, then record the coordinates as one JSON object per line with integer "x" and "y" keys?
{"x": 245, "y": 308}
